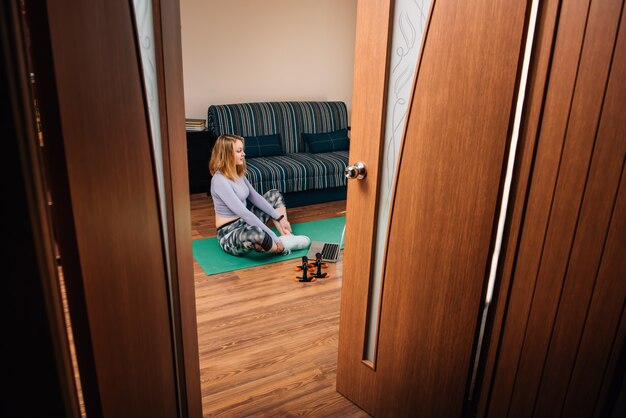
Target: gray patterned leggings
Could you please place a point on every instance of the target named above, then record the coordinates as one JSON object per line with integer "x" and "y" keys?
{"x": 238, "y": 238}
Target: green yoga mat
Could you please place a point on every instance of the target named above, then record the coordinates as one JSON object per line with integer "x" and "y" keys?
{"x": 213, "y": 259}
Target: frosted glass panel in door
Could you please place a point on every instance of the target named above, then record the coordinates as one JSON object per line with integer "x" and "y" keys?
{"x": 408, "y": 29}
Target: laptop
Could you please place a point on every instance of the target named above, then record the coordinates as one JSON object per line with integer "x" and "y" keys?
{"x": 329, "y": 250}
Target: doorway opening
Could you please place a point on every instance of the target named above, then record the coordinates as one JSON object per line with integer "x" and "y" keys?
{"x": 267, "y": 344}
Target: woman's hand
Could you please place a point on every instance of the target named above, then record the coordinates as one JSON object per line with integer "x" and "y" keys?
{"x": 279, "y": 247}
{"x": 284, "y": 226}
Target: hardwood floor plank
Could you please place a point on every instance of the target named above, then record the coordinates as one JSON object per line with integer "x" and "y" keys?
{"x": 268, "y": 344}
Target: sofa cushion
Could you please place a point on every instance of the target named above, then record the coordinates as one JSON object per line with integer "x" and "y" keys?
{"x": 262, "y": 146}
{"x": 297, "y": 172}
{"x": 327, "y": 141}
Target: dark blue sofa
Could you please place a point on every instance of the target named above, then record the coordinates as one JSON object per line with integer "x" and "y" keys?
{"x": 299, "y": 148}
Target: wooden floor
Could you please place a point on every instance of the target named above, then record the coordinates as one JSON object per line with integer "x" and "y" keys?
{"x": 268, "y": 344}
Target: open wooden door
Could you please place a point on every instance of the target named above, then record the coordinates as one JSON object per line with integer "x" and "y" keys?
{"x": 444, "y": 207}
{"x": 124, "y": 241}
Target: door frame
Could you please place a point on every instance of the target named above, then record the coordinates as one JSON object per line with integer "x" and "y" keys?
{"x": 36, "y": 342}
{"x": 168, "y": 48}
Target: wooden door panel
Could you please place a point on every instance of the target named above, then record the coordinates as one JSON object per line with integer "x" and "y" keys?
{"x": 106, "y": 210}
{"x": 445, "y": 205}
{"x": 538, "y": 77}
{"x": 603, "y": 335}
{"x": 564, "y": 213}
{"x": 562, "y": 334}
{"x": 550, "y": 142}
{"x": 442, "y": 218}
{"x": 595, "y": 215}
{"x": 593, "y": 268}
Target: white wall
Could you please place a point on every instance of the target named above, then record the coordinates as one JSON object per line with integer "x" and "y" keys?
{"x": 266, "y": 50}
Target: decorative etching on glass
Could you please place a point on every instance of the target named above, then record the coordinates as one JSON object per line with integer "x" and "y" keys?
{"x": 408, "y": 29}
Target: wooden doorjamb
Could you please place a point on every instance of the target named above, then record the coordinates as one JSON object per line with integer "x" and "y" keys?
{"x": 36, "y": 347}
{"x": 168, "y": 51}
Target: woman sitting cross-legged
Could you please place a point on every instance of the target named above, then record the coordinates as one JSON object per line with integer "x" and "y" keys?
{"x": 240, "y": 230}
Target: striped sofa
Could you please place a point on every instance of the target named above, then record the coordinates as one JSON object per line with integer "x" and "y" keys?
{"x": 303, "y": 177}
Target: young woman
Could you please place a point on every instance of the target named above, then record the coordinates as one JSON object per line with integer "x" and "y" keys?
{"x": 240, "y": 230}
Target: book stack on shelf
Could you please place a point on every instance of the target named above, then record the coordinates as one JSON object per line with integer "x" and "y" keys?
{"x": 195, "y": 125}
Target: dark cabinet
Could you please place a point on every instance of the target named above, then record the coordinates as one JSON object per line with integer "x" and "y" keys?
{"x": 199, "y": 146}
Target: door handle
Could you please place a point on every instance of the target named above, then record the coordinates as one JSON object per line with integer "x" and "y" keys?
{"x": 356, "y": 171}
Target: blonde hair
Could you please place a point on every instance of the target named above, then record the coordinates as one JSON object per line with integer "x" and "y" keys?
{"x": 223, "y": 157}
